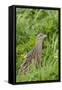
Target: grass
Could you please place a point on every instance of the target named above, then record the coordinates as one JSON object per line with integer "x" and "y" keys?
{"x": 30, "y": 22}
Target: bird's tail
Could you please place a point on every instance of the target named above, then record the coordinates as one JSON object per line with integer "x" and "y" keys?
{"x": 24, "y": 66}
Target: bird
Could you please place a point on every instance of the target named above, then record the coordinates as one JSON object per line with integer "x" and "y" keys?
{"x": 33, "y": 54}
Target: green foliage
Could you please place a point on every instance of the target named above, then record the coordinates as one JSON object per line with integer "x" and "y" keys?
{"x": 29, "y": 23}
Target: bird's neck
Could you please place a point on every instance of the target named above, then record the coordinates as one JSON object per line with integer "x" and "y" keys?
{"x": 38, "y": 44}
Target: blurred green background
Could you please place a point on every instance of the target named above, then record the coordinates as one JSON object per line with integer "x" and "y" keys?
{"x": 29, "y": 23}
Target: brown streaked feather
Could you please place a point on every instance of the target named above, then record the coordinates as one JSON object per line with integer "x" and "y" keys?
{"x": 33, "y": 54}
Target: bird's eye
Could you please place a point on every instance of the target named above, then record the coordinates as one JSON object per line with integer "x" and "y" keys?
{"x": 41, "y": 35}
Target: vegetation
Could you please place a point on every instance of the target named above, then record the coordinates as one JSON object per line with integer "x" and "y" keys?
{"x": 29, "y": 23}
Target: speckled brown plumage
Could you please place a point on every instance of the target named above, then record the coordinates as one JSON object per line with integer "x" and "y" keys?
{"x": 34, "y": 54}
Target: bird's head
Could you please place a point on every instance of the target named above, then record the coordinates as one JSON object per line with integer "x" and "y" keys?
{"x": 41, "y": 36}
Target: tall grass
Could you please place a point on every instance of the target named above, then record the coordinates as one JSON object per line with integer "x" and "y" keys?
{"x": 30, "y": 22}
